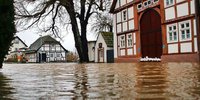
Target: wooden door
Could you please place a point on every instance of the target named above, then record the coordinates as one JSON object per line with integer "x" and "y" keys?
{"x": 151, "y": 36}
{"x": 100, "y": 55}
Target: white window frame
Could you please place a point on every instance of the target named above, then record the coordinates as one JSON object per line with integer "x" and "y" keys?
{"x": 129, "y": 40}
{"x": 171, "y": 2}
{"x": 122, "y": 41}
{"x": 185, "y": 29}
{"x": 172, "y": 31}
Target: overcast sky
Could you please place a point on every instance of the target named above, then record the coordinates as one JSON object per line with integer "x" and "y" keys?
{"x": 29, "y": 36}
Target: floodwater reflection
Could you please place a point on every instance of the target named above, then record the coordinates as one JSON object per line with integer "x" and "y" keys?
{"x": 5, "y": 89}
{"x": 120, "y": 81}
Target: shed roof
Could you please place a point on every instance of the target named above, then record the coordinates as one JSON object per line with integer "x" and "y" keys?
{"x": 108, "y": 37}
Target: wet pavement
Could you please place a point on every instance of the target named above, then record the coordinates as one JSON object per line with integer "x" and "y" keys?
{"x": 119, "y": 81}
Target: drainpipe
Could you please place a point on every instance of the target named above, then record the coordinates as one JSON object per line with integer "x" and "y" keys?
{"x": 197, "y": 17}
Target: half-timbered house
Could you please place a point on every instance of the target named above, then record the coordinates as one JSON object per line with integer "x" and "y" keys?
{"x": 163, "y": 29}
{"x": 46, "y": 49}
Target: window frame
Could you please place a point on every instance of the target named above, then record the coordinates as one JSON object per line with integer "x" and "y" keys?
{"x": 128, "y": 39}
{"x": 172, "y": 31}
{"x": 185, "y": 29}
{"x": 171, "y": 2}
{"x": 122, "y": 42}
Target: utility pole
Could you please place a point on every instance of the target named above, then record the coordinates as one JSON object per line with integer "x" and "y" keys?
{"x": 197, "y": 17}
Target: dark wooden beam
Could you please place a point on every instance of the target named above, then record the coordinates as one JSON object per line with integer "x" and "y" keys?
{"x": 197, "y": 16}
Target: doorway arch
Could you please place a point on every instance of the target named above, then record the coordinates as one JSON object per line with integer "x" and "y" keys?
{"x": 151, "y": 34}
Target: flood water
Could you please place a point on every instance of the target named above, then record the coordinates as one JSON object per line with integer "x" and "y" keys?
{"x": 120, "y": 81}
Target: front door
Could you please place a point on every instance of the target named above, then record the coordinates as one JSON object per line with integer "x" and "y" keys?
{"x": 100, "y": 55}
{"x": 151, "y": 36}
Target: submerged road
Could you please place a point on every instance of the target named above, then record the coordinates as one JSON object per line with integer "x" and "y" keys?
{"x": 118, "y": 81}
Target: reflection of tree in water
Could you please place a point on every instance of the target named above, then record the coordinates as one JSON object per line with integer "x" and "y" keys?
{"x": 81, "y": 83}
{"x": 5, "y": 89}
{"x": 151, "y": 82}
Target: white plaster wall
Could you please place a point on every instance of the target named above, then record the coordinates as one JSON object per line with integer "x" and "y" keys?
{"x": 119, "y": 28}
{"x": 195, "y": 45}
{"x": 100, "y": 40}
{"x": 130, "y": 52}
{"x": 91, "y": 51}
{"x": 124, "y": 26}
{"x": 119, "y": 18}
{"x": 134, "y": 38}
{"x": 192, "y": 7}
{"x": 58, "y": 48}
{"x": 19, "y": 45}
{"x": 182, "y": 10}
{"x": 129, "y": 1}
{"x": 135, "y": 50}
{"x": 179, "y": 1}
{"x": 195, "y": 27}
{"x": 169, "y": 13}
{"x": 114, "y": 37}
{"x": 117, "y": 5}
{"x": 131, "y": 24}
{"x": 173, "y": 48}
{"x": 123, "y": 2}
{"x": 186, "y": 47}
{"x": 122, "y": 52}
{"x": 130, "y": 13}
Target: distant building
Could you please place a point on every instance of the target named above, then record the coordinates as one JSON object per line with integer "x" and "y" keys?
{"x": 46, "y": 49}
{"x": 163, "y": 29}
{"x": 17, "y": 50}
{"x": 104, "y": 47}
{"x": 91, "y": 50}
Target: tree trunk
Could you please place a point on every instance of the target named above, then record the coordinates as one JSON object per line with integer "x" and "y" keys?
{"x": 78, "y": 40}
{"x": 7, "y": 27}
{"x": 84, "y": 41}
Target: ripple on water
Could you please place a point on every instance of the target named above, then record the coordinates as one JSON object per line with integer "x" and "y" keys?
{"x": 125, "y": 81}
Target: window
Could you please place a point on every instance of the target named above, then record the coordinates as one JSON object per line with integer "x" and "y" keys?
{"x": 185, "y": 31}
{"x": 169, "y": 2}
{"x": 16, "y": 41}
{"x": 51, "y": 55}
{"x": 124, "y": 15}
{"x": 52, "y": 47}
{"x": 172, "y": 33}
{"x": 58, "y": 54}
{"x": 122, "y": 41}
{"x": 100, "y": 45}
{"x": 139, "y": 6}
{"x": 145, "y": 3}
{"x": 129, "y": 40}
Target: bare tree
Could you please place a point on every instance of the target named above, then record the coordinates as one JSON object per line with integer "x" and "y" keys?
{"x": 103, "y": 22}
{"x": 54, "y": 12}
{"x": 7, "y": 27}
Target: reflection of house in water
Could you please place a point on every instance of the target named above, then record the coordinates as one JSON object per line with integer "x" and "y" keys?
{"x": 104, "y": 47}
{"x": 164, "y": 29}
{"x": 46, "y": 49}
{"x": 17, "y": 49}
{"x": 151, "y": 82}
